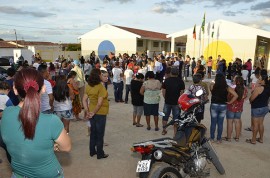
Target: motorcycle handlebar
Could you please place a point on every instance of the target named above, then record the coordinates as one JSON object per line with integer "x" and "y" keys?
{"x": 172, "y": 122}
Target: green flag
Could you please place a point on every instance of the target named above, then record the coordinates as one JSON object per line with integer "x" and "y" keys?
{"x": 203, "y": 23}
{"x": 213, "y": 28}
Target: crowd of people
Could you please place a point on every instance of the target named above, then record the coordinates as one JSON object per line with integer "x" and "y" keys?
{"x": 46, "y": 97}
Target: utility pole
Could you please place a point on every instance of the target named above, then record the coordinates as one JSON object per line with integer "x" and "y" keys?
{"x": 16, "y": 38}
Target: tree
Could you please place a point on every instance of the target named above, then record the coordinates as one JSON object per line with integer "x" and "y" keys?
{"x": 73, "y": 47}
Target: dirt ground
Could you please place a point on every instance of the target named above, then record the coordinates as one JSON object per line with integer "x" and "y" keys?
{"x": 239, "y": 159}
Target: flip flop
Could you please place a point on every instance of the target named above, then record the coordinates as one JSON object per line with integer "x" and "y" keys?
{"x": 259, "y": 140}
{"x": 139, "y": 125}
{"x": 134, "y": 123}
{"x": 249, "y": 141}
{"x": 248, "y": 129}
{"x": 226, "y": 139}
{"x": 236, "y": 139}
{"x": 164, "y": 132}
{"x": 148, "y": 128}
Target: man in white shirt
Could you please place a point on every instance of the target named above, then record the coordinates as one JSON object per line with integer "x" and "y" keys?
{"x": 36, "y": 63}
{"x": 118, "y": 83}
{"x": 128, "y": 77}
{"x": 47, "y": 97}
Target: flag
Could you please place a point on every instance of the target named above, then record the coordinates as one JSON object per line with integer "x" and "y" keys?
{"x": 208, "y": 29}
{"x": 213, "y": 28}
{"x": 203, "y": 23}
{"x": 194, "y": 32}
{"x": 218, "y": 33}
{"x": 200, "y": 36}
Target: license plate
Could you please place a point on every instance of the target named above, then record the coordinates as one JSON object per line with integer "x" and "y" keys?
{"x": 143, "y": 166}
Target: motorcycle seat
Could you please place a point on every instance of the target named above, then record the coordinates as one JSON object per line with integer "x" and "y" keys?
{"x": 156, "y": 140}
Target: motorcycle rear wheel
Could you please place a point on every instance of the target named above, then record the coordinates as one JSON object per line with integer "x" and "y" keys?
{"x": 214, "y": 158}
{"x": 166, "y": 172}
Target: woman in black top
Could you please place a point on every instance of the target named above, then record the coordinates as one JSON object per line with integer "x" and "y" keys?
{"x": 218, "y": 107}
{"x": 137, "y": 99}
{"x": 259, "y": 108}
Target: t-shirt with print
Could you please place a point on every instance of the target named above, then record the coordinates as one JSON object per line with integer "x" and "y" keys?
{"x": 45, "y": 99}
{"x": 136, "y": 97}
{"x": 173, "y": 86}
{"x": 152, "y": 91}
{"x": 32, "y": 158}
{"x": 237, "y": 105}
{"x": 128, "y": 76}
{"x": 93, "y": 94}
{"x": 4, "y": 102}
{"x": 117, "y": 75}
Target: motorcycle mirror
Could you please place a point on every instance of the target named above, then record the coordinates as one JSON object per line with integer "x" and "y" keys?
{"x": 199, "y": 92}
{"x": 161, "y": 113}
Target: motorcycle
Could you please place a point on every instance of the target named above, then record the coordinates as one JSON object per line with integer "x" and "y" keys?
{"x": 187, "y": 153}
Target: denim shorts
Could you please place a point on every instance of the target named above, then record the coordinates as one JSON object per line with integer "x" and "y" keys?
{"x": 67, "y": 114}
{"x": 259, "y": 112}
{"x": 138, "y": 110}
{"x": 233, "y": 115}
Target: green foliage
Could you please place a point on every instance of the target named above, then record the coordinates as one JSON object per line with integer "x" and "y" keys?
{"x": 73, "y": 47}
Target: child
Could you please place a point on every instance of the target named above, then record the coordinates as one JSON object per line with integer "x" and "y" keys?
{"x": 137, "y": 99}
{"x": 254, "y": 78}
{"x": 197, "y": 78}
{"x": 4, "y": 99}
{"x": 63, "y": 96}
{"x": 245, "y": 74}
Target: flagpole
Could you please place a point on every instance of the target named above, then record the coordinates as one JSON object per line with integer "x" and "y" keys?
{"x": 194, "y": 48}
{"x": 200, "y": 44}
{"x": 203, "y": 44}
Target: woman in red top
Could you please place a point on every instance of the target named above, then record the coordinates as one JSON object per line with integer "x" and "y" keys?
{"x": 235, "y": 109}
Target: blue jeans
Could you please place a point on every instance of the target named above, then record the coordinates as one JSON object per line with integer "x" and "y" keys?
{"x": 218, "y": 112}
{"x": 98, "y": 123}
{"x": 128, "y": 88}
{"x": 118, "y": 91}
{"x": 167, "y": 109}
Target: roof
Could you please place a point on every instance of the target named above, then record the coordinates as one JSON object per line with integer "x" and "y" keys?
{"x": 145, "y": 33}
{"x": 223, "y": 29}
{"x": 5, "y": 44}
{"x": 34, "y": 43}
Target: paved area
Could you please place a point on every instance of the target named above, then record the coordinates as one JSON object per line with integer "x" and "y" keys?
{"x": 240, "y": 159}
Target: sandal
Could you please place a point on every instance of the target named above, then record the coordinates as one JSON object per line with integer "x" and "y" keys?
{"x": 248, "y": 129}
{"x": 134, "y": 123}
{"x": 236, "y": 139}
{"x": 157, "y": 129}
{"x": 259, "y": 140}
{"x": 226, "y": 139}
{"x": 164, "y": 132}
{"x": 139, "y": 125}
{"x": 250, "y": 141}
{"x": 148, "y": 128}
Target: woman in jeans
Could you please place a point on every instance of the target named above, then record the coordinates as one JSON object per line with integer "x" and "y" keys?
{"x": 96, "y": 111}
{"x": 235, "y": 109}
{"x": 259, "y": 108}
{"x": 218, "y": 107}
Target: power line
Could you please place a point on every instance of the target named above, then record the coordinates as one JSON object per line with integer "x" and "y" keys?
{"x": 41, "y": 28}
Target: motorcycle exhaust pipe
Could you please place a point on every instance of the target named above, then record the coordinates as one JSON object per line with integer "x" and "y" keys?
{"x": 161, "y": 156}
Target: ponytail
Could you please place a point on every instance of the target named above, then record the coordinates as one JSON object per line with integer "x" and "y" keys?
{"x": 29, "y": 113}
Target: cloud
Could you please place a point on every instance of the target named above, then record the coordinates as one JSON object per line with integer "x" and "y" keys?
{"x": 231, "y": 13}
{"x": 261, "y": 6}
{"x": 120, "y": 1}
{"x": 162, "y": 9}
{"x": 266, "y": 13}
{"x": 260, "y": 24}
{"x": 170, "y": 6}
{"x": 17, "y": 11}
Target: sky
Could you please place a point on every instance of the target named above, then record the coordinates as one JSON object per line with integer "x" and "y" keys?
{"x": 63, "y": 21}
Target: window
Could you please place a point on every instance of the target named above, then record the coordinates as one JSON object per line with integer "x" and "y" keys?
{"x": 140, "y": 43}
{"x": 155, "y": 44}
{"x": 162, "y": 44}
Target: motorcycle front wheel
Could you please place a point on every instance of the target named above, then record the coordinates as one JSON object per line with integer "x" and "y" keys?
{"x": 213, "y": 157}
{"x": 166, "y": 172}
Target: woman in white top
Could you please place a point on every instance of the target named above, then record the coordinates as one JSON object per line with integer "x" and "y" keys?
{"x": 62, "y": 104}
